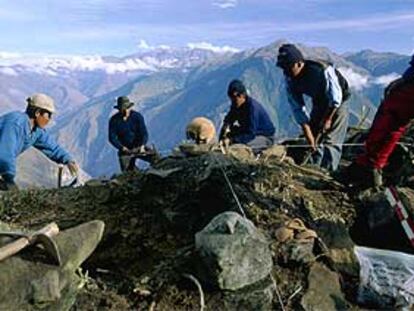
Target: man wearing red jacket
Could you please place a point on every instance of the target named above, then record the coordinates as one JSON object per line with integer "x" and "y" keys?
{"x": 390, "y": 122}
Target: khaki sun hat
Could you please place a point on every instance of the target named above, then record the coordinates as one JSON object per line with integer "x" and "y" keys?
{"x": 42, "y": 101}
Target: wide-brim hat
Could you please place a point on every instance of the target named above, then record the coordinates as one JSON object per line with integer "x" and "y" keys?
{"x": 123, "y": 102}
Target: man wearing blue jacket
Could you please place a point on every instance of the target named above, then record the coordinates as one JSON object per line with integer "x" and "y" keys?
{"x": 247, "y": 121}
{"x": 21, "y": 130}
{"x": 325, "y": 128}
{"x": 128, "y": 134}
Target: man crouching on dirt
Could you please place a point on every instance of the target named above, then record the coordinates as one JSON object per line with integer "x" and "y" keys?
{"x": 21, "y": 130}
{"x": 247, "y": 122}
{"x": 128, "y": 134}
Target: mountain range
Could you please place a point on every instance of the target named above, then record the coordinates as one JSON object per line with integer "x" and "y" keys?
{"x": 176, "y": 86}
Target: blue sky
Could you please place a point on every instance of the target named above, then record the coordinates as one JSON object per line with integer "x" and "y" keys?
{"x": 116, "y": 27}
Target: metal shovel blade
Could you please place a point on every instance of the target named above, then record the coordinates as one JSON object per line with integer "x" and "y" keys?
{"x": 50, "y": 247}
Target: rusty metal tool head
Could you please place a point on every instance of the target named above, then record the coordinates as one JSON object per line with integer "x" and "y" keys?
{"x": 43, "y": 238}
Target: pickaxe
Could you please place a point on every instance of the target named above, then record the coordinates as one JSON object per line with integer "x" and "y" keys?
{"x": 42, "y": 237}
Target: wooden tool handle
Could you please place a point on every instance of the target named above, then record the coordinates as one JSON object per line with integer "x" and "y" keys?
{"x": 16, "y": 246}
{"x": 60, "y": 176}
{"x": 50, "y": 230}
{"x": 13, "y": 248}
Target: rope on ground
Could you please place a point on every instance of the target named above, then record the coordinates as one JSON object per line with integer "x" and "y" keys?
{"x": 226, "y": 178}
{"x": 297, "y": 291}
{"x": 200, "y": 289}
{"x": 279, "y": 296}
{"x": 165, "y": 152}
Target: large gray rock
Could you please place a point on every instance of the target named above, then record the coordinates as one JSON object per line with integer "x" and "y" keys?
{"x": 32, "y": 285}
{"x": 233, "y": 253}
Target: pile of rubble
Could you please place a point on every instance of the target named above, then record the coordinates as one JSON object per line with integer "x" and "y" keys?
{"x": 200, "y": 228}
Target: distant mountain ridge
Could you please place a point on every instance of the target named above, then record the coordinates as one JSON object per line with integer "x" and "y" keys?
{"x": 171, "y": 98}
{"x": 195, "y": 86}
{"x": 379, "y": 64}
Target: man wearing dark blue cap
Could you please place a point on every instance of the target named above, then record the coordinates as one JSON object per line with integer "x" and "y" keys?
{"x": 325, "y": 127}
{"x": 247, "y": 122}
{"x": 128, "y": 134}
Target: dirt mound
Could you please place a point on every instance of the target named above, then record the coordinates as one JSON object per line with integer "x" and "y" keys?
{"x": 151, "y": 218}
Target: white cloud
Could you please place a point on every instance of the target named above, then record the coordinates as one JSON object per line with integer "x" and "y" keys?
{"x": 213, "y": 48}
{"x": 386, "y": 79}
{"x": 9, "y": 55}
{"x": 143, "y": 45}
{"x": 52, "y": 65}
{"x": 8, "y": 71}
{"x": 225, "y": 4}
{"x": 356, "y": 81}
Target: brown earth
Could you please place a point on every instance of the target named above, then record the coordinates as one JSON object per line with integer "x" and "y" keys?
{"x": 151, "y": 220}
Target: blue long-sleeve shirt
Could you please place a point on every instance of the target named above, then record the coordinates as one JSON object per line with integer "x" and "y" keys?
{"x": 248, "y": 121}
{"x": 318, "y": 82}
{"x": 16, "y": 136}
{"x": 130, "y": 133}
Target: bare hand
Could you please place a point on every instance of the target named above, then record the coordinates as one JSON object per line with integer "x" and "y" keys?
{"x": 73, "y": 168}
{"x": 125, "y": 150}
{"x": 225, "y": 142}
{"x": 309, "y": 136}
{"x": 327, "y": 125}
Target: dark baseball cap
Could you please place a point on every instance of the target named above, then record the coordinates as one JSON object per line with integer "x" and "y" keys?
{"x": 236, "y": 86}
{"x": 288, "y": 55}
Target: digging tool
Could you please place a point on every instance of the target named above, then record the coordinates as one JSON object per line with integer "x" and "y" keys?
{"x": 68, "y": 184}
{"x": 148, "y": 154}
{"x": 310, "y": 152}
{"x": 42, "y": 237}
{"x": 60, "y": 176}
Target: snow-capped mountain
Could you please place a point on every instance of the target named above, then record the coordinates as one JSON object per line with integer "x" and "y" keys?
{"x": 170, "y": 99}
{"x": 73, "y": 80}
{"x": 172, "y": 87}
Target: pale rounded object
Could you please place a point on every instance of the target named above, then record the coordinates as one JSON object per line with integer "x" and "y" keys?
{"x": 201, "y": 130}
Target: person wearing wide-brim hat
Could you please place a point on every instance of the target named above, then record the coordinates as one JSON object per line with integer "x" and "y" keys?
{"x": 123, "y": 103}
{"x": 22, "y": 130}
{"x": 128, "y": 134}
